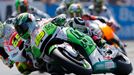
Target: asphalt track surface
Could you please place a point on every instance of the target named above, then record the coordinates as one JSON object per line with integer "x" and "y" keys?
{"x": 4, "y": 70}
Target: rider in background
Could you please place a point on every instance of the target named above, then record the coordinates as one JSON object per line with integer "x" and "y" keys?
{"x": 3, "y": 54}
{"x": 11, "y": 48}
{"x": 23, "y": 6}
{"x": 75, "y": 10}
{"x": 62, "y": 9}
{"x": 99, "y": 9}
{"x": 76, "y": 13}
{"x": 82, "y": 25}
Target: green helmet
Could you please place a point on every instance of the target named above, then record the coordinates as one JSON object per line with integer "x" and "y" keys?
{"x": 68, "y": 2}
{"x": 21, "y": 6}
{"x": 23, "y": 23}
{"x": 98, "y": 4}
{"x": 75, "y": 10}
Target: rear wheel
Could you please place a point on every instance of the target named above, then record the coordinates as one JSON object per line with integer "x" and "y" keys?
{"x": 124, "y": 67}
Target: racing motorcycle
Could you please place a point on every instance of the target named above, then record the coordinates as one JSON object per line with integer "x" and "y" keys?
{"x": 119, "y": 64}
{"x": 112, "y": 51}
{"x": 61, "y": 56}
{"x": 72, "y": 58}
{"x": 107, "y": 31}
{"x": 122, "y": 65}
{"x": 69, "y": 60}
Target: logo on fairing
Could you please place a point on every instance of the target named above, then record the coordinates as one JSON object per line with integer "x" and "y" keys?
{"x": 39, "y": 38}
{"x": 16, "y": 40}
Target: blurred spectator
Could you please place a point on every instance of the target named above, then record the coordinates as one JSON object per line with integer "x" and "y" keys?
{"x": 98, "y": 8}
{"x": 50, "y": 7}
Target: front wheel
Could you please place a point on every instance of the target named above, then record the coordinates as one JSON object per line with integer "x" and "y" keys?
{"x": 77, "y": 65}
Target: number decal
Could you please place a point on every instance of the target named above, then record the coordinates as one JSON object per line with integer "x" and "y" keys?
{"x": 49, "y": 26}
{"x": 77, "y": 34}
{"x": 16, "y": 40}
{"x": 84, "y": 41}
{"x": 39, "y": 38}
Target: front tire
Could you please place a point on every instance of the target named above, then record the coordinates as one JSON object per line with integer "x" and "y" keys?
{"x": 70, "y": 65}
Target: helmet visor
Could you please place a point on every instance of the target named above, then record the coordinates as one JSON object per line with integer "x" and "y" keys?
{"x": 21, "y": 29}
{"x": 22, "y": 9}
{"x": 75, "y": 15}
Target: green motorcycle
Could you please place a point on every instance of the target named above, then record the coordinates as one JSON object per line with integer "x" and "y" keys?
{"x": 71, "y": 50}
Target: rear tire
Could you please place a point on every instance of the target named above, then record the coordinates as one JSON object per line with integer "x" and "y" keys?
{"x": 124, "y": 67}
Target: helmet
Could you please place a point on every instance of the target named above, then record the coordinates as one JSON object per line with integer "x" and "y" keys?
{"x": 68, "y": 2}
{"x": 75, "y": 10}
{"x": 98, "y": 4}
{"x": 24, "y": 23}
{"x": 1, "y": 29}
{"x": 21, "y": 6}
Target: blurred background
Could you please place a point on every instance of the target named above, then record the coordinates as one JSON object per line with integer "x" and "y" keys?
{"x": 122, "y": 10}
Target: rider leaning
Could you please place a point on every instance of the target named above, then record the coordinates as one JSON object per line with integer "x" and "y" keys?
{"x": 26, "y": 26}
{"x": 75, "y": 11}
{"x": 6, "y": 30}
{"x": 63, "y": 8}
{"x": 12, "y": 46}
